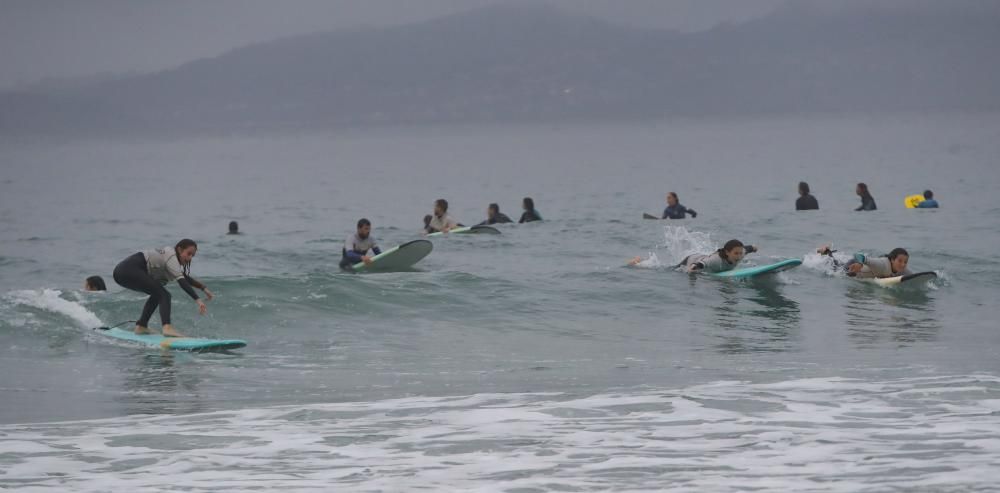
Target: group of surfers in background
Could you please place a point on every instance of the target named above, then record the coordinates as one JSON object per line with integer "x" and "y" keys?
{"x": 149, "y": 271}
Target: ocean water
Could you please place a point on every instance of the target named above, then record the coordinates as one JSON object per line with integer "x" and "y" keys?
{"x": 530, "y": 361}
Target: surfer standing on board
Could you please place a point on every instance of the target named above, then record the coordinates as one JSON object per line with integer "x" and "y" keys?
{"x": 149, "y": 271}
{"x": 357, "y": 244}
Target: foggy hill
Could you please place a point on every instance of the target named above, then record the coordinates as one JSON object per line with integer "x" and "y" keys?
{"x": 533, "y": 63}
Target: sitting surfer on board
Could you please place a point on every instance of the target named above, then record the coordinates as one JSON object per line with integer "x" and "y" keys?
{"x": 721, "y": 260}
{"x": 530, "y": 213}
{"x": 865, "y": 267}
{"x": 357, "y": 244}
{"x": 867, "y": 201}
{"x": 440, "y": 222}
{"x": 928, "y": 202}
{"x": 494, "y": 216}
{"x": 149, "y": 271}
{"x": 675, "y": 210}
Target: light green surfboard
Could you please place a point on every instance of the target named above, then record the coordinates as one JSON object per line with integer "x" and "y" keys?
{"x": 467, "y": 230}
{"x": 194, "y": 344}
{"x": 397, "y": 258}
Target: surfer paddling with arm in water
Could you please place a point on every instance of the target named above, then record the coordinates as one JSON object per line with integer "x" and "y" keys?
{"x": 675, "y": 210}
{"x": 865, "y": 267}
{"x": 441, "y": 221}
{"x": 357, "y": 245}
{"x": 149, "y": 271}
{"x": 721, "y": 260}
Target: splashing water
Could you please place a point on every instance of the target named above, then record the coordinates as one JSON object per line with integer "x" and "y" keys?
{"x": 51, "y": 300}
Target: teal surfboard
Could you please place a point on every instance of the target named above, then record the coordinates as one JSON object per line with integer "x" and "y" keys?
{"x": 909, "y": 280}
{"x": 194, "y": 344}
{"x": 760, "y": 270}
{"x": 397, "y": 258}
{"x": 466, "y": 230}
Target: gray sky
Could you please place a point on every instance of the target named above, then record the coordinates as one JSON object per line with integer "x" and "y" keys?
{"x": 43, "y": 38}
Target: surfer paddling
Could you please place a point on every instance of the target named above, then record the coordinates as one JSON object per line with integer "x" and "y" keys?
{"x": 865, "y": 267}
{"x": 149, "y": 271}
{"x": 721, "y": 260}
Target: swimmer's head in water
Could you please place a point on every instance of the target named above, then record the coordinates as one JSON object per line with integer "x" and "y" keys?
{"x": 492, "y": 210}
{"x": 861, "y": 189}
{"x": 234, "y": 227}
{"x": 440, "y": 207}
{"x": 898, "y": 258}
{"x": 803, "y": 188}
{"x": 733, "y": 251}
{"x": 94, "y": 283}
{"x": 928, "y": 194}
{"x": 364, "y": 228}
{"x": 672, "y": 199}
{"x": 528, "y": 204}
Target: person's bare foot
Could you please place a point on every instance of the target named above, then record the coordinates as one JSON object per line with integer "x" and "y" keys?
{"x": 142, "y": 330}
{"x": 169, "y": 331}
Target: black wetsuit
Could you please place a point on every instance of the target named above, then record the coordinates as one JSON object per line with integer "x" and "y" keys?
{"x": 530, "y": 216}
{"x": 677, "y": 212}
{"x": 498, "y": 218}
{"x": 132, "y": 273}
{"x": 867, "y": 203}
{"x": 806, "y": 203}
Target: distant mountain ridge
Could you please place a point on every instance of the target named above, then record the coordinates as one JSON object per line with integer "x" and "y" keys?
{"x": 536, "y": 63}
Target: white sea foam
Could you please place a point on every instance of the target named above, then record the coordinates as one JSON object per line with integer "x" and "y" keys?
{"x": 51, "y": 300}
{"x": 818, "y": 434}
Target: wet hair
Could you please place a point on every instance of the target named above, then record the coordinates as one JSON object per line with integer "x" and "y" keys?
{"x": 234, "y": 227}
{"x": 803, "y": 187}
{"x": 494, "y": 207}
{"x": 864, "y": 188}
{"x": 674, "y": 195}
{"x": 363, "y": 222}
{"x": 731, "y": 244}
{"x": 96, "y": 283}
{"x": 528, "y": 203}
{"x": 442, "y": 203}
{"x": 181, "y": 245}
{"x": 897, "y": 252}
{"x": 928, "y": 194}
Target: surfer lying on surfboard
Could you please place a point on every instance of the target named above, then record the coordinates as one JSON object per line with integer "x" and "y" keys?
{"x": 150, "y": 270}
{"x": 864, "y": 267}
{"x": 357, "y": 244}
{"x": 721, "y": 260}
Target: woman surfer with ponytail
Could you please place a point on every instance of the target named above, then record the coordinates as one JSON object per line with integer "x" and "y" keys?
{"x": 149, "y": 271}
